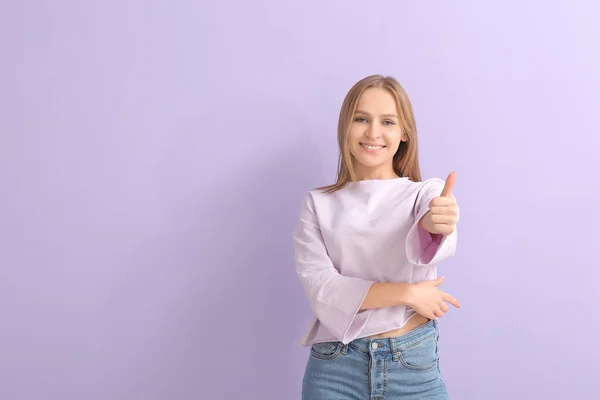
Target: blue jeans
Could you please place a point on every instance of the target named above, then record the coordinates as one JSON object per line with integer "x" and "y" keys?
{"x": 405, "y": 367}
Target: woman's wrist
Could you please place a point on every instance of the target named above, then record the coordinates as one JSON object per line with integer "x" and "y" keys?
{"x": 403, "y": 293}
{"x": 387, "y": 294}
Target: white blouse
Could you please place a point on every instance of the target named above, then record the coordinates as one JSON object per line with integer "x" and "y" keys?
{"x": 364, "y": 233}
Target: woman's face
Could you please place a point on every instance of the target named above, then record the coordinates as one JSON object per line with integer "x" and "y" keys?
{"x": 375, "y": 134}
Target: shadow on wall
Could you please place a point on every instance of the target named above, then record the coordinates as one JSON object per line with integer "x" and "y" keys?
{"x": 213, "y": 307}
{"x": 252, "y": 308}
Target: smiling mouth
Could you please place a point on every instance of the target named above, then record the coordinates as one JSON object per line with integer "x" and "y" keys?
{"x": 372, "y": 148}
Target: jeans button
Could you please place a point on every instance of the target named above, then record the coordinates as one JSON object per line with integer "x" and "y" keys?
{"x": 374, "y": 345}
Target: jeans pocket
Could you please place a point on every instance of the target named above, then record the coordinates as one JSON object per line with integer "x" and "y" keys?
{"x": 326, "y": 350}
{"x": 421, "y": 355}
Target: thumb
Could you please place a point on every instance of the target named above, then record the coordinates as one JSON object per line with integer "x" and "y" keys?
{"x": 447, "y": 191}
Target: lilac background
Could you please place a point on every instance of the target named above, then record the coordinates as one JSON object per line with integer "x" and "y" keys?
{"x": 153, "y": 155}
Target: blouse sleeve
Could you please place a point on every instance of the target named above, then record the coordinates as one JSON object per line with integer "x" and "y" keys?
{"x": 335, "y": 299}
{"x": 423, "y": 248}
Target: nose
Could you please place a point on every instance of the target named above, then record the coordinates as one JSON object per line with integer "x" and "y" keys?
{"x": 373, "y": 132}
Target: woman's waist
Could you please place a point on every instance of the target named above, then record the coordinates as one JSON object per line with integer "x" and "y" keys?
{"x": 414, "y": 322}
{"x": 393, "y": 340}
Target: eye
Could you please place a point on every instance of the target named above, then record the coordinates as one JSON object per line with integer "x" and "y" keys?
{"x": 360, "y": 119}
{"x": 388, "y": 122}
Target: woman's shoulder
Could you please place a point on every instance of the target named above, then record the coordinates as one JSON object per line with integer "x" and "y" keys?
{"x": 431, "y": 187}
{"x": 360, "y": 190}
{"x": 431, "y": 182}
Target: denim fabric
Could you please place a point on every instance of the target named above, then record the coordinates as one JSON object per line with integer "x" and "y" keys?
{"x": 405, "y": 367}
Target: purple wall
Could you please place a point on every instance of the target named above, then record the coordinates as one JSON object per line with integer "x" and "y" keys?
{"x": 153, "y": 156}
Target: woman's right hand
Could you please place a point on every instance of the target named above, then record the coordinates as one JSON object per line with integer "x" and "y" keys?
{"x": 429, "y": 301}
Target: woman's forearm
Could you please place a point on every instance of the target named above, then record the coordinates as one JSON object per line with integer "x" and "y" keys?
{"x": 382, "y": 295}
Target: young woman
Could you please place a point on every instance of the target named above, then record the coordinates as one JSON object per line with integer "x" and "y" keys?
{"x": 366, "y": 250}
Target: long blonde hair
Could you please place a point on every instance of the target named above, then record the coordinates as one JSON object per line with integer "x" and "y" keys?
{"x": 405, "y": 161}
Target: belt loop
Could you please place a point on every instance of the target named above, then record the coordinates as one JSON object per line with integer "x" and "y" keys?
{"x": 394, "y": 349}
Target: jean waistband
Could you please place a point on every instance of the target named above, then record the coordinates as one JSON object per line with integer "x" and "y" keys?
{"x": 396, "y": 343}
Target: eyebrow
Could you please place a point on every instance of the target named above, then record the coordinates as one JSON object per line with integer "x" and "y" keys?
{"x": 384, "y": 115}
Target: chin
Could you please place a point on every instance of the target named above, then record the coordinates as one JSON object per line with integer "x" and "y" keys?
{"x": 369, "y": 163}
{"x": 370, "y": 160}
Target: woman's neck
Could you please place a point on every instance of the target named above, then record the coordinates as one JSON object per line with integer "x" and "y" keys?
{"x": 376, "y": 175}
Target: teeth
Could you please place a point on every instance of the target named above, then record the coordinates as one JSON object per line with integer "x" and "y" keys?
{"x": 372, "y": 147}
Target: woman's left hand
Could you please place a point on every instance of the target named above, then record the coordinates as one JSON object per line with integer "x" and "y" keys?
{"x": 443, "y": 211}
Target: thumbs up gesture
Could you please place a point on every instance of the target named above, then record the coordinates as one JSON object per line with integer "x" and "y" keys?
{"x": 443, "y": 210}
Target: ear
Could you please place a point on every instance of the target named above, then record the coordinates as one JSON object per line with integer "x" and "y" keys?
{"x": 404, "y": 136}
